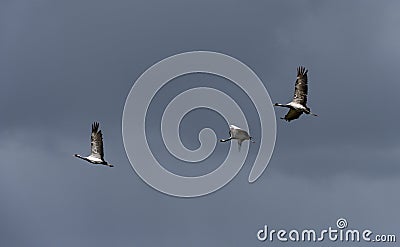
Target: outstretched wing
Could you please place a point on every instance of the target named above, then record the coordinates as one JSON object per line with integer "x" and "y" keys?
{"x": 240, "y": 144}
{"x": 96, "y": 142}
{"x": 301, "y": 86}
{"x": 242, "y": 134}
{"x": 292, "y": 115}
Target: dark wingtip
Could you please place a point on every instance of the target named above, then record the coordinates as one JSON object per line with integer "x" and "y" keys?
{"x": 301, "y": 70}
{"x": 95, "y": 126}
{"x": 287, "y": 120}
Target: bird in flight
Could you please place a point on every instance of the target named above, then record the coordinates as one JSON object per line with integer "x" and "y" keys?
{"x": 238, "y": 134}
{"x": 97, "y": 153}
{"x": 298, "y": 105}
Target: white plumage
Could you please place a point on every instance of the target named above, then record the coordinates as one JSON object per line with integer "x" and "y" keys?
{"x": 238, "y": 134}
{"x": 97, "y": 152}
{"x": 298, "y": 105}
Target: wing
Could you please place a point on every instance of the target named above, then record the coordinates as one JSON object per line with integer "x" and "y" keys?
{"x": 240, "y": 144}
{"x": 96, "y": 142}
{"x": 292, "y": 114}
{"x": 301, "y": 86}
{"x": 242, "y": 134}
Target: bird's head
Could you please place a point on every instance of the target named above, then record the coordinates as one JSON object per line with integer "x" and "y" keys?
{"x": 76, "y": 155}
{"x": 276, "y": 104}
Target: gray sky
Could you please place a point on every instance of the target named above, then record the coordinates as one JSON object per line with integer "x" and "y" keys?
{"x": 65, "y": 64}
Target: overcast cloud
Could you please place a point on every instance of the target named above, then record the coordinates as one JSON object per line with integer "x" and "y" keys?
{"x": 65, "y": 64}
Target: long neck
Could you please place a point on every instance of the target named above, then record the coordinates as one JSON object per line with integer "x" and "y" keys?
{"x": 282, "y": 105}
{"x": 80, "y": 157}
{"x": 225, "y": 140}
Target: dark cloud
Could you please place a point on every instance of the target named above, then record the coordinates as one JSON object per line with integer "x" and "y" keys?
{"x": 66, "y": 64}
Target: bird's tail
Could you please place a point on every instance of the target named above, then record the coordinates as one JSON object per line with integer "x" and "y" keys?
{"x": 308, "y": 111}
